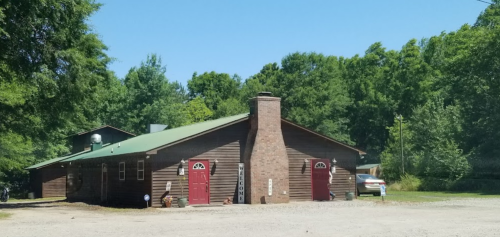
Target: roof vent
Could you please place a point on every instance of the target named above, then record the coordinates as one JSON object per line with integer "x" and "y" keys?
{"x": 156, "y": 128}
{"x": 96, "y": 138}
{"x": 265, "y": 93}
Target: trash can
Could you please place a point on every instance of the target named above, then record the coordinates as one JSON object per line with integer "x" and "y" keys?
{"x": 349, "y": 196}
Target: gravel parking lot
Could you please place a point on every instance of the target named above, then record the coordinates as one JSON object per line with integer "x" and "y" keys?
{"x": 467, "y": 217}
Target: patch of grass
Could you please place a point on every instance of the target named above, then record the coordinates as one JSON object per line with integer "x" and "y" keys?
{"x": 416, "y": 196}
{"x": 4, "y": 215}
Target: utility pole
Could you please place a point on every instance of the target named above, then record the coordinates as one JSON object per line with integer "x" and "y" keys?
{"x": 400, "y": 118}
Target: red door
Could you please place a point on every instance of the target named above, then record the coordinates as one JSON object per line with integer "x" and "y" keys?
{"x": 199, "y": 183}
{"x": 319, "y": 176}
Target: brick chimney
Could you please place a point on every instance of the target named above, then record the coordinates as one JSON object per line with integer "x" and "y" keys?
{"x": 265, "y": 154}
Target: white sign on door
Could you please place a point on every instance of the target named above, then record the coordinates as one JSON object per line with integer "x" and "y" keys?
{"x": 270, "y": 187}
{"x": 169, "y": 185}
{"x": 241, "y": 183}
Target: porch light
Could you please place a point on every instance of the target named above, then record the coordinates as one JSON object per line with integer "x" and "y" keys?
{"x": 216, "y": 161}
{"x": 334, "y": 168}
{"x": 182, "y": 161}
{"x": 305, "y": 160}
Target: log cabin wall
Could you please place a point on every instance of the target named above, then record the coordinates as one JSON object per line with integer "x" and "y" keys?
{"x": 300, "y": 145}
{"x": 131, "y": 191}
{"x": 36, "y": 182}
{"x": 53, "y": 181}
{"x": 108, "y": 135}
{"x": 84, "y": 181}
{"x": 227, "y": 145}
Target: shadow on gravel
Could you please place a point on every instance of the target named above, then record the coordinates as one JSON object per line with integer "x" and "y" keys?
{"x": 34, "y": 204}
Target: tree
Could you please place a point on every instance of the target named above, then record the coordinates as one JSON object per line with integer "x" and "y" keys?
{"x": 216, "y": 89}
{"x": 313, "y": 94}
{"x": 151, "y": 98}
{"x": 391, "y": 161}
{"x": 197, "y": 111}
{"x": 51, "y": 68}
{"x": 435, "y": 129}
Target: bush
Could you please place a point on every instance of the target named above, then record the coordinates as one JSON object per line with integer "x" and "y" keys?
{"x": 410, "y": 182}
{"x": 434, "y": 184}
{"x": 394, "y": 187}
{"x": 475, "y": 185}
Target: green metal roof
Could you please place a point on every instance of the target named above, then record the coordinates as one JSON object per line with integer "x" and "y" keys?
{"x": 59, "y": 159}
{"x": 150, "y": 141}
{"x": 55, "y": 160}
{"x": 367, "y": 166}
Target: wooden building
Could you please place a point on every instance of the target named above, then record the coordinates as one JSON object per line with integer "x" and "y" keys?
{"x": 48, "y": 178}
{"x": 372, "y": 169}
{"x": 255, "y": 158}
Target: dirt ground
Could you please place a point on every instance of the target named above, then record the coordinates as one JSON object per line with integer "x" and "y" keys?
{"x": 464, "y": 217}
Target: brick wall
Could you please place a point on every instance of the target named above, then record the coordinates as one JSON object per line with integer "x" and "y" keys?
{"x": 265, "y": 155}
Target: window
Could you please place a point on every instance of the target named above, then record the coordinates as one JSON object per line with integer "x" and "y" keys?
{"x": 320, "y": 165}
{"x": 140, "y": 170}
{"x": 122, "y": 170}
{"x": 198, "y": 166}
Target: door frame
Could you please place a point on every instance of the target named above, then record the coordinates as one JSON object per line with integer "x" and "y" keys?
{"x": 327, "y": 163}
{"x": 104, "y": 198}
{"x": 207, "y": 168}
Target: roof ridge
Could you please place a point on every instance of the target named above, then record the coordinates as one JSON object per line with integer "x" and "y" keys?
{"x": 192, "y": 124}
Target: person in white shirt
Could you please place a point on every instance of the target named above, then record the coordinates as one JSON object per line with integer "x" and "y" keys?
{"x": 332, "y": 195}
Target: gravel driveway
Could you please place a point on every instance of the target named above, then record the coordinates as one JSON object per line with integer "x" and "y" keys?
{"x": 468, "y": 217}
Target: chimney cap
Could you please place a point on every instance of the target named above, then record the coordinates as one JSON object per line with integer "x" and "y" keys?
{"x": 265, "y": 93}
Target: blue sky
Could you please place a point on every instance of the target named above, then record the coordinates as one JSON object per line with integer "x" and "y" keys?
{"x": 240, "y": 37}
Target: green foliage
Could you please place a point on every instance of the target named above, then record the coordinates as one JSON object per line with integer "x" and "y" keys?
{"x": 392, "y": 168}
{"x": 16, "y": 153}
{"x": 216, "y": 89}
{"x": 150, "y": 98}
{"x": 314, "y": 94}
{"x": 410, "y": 182}
{"x": 54, "y": 81}
{"x": 51, "y": 68}
{"x": 197, "y": 111}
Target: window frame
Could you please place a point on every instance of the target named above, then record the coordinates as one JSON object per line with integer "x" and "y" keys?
{"x": 199, "y": 168}
{"x": 120, "y": 171}
{"x": 139, "y": 170}
{"x": 320, "y": 165}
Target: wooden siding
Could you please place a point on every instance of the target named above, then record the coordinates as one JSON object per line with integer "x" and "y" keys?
{"x": 302, "y": 145}
{"x": 131, "y": 191}
{"x": 53, "y": 181}
{"x": 128, "y": 192}
{"x": 226, "y": 145}
{"x": 36, "y": 182}
{"x": 108, "y": 135}
{"x": 84, "y": 181}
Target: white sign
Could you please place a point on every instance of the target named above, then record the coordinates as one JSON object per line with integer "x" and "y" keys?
{"x": 169, "y": 185}
{"x": 181, "y": 171}
{"x": 241, "y": 183}
{"x": 382, "y": 190}
{"x": 146, "y": 197}
{"x": 270, "y": 187}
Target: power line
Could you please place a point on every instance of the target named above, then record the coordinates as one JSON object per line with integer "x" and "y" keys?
{"x": 485, "y": 2}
